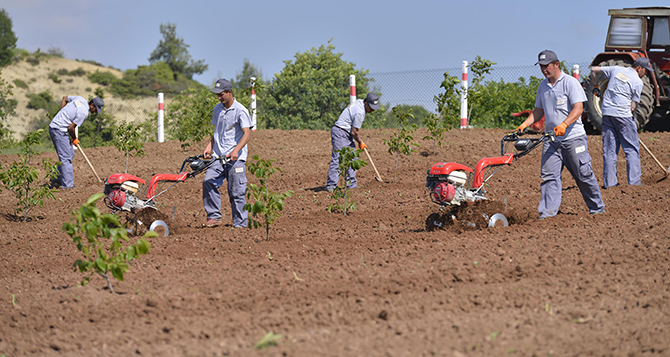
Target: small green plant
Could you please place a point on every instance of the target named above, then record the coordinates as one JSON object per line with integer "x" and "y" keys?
{"x": 267, "y": 203}
{"x": 436, "y": 130}
{"x": 270, "y": 339}
{"x": 99, "y": 237}
{"x": 127, "y": 140}
{"x": 20, "y": 176}
{"x": 348, "y": 160}
{"x": 402, "y": 141}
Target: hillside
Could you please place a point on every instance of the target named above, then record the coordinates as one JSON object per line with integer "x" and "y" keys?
{"x": 36, "y": 77}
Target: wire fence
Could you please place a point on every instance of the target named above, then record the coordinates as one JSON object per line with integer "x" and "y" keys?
{"x": 419, "y": 87}
{"x": 413, "y": 88}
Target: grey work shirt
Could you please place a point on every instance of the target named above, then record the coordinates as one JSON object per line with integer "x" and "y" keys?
{"x": 228, "y": 124}
{"x": 352, "y": 116}
{"x": 75, "y": 111}
{"x": 557, "y": 102}
{"x": 624, "y": 86}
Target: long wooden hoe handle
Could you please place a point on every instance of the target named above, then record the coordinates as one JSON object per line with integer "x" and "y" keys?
{"x": 654, "y": 157}
{"x": 373, "y": 165}
{"x": 89, "y": 163}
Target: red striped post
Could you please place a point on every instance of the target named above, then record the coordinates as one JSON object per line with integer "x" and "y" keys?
{"x": 464, "y": 96}
{"x": 575, "y": 71}
{"x": 161, "y": 136}
{"x": 352, "y": 89}
{"x": 253, "y": 103}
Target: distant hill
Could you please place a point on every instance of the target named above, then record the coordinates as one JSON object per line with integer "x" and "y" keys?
{"x": 36, "y": 77}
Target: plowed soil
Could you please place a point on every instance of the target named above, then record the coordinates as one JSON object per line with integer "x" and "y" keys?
{"x": 375, "y": 282}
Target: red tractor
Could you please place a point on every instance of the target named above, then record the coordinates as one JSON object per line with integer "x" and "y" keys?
{"x": 633, "y": 33}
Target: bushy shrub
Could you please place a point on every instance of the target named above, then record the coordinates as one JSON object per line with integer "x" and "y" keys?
{"x": 54, "y": 78}
{"x": 103, "y": 78}
{"x": 20, "y": 84}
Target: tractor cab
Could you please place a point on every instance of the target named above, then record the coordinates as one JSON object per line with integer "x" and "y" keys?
{"x": 633, "y": 33}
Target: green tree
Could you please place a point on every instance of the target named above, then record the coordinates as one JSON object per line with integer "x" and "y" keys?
{"x": 20, "y": 176}
{"x": 7, "y": 38}
{"x": 449, "y": 102}
{"x": 7, "y": 107}
{"x": 98, "y": 129}
{"x": 402, "y": 141}
{"x": 243, "y": 77}
{"x": 190, "y": 116}
{"x": 127, "y": 140}
{"x": 436, "y": 130}
{"x": 267, "y": 204}
{"x": 174, "y": 51}
{"x": 100, "y": 238}
{"x": 311, "y": 91}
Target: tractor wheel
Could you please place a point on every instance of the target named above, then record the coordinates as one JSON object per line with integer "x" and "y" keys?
{"x": 593, "y": 107}
{"x": 644, "y": 108}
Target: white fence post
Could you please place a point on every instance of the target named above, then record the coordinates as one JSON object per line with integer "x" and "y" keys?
{"x": 253, "y": 103}
{"x": 464, "y": 96}
{"x": 575, "y": 71}
{"x": 161, "y": 137}
{"x": 352, "y": 89}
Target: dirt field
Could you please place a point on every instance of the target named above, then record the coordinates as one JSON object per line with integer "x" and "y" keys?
{"x": 373, "y": 283}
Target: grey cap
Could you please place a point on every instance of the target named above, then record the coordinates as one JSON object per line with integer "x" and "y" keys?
{"x": 545, "y": 57}
{"x": 372, "y": 100}
{"x": 221, "y": 85}
{"x": 98, "y": 103}
{"x": 644, "y": 63}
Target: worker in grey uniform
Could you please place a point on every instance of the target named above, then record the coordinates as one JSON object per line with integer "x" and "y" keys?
{"x": 560, "y": 99}
{"x": 62, "y": 129}
{"x": 231, "y": 134}
{"x": 619, "y": 128}
{"x": 344, "y": 132}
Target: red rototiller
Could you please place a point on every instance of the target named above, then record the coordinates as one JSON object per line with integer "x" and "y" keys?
{"x": 126, "y": 192}
{"x": 452, "y": 184}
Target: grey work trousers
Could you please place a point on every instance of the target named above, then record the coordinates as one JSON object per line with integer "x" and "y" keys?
{"x": 620, "y": 133}
{"x": 235, "y": 173}
{"x": 574, "y": 155}
{"x": 340, "y": 139}
{"x": 61, "y": 141}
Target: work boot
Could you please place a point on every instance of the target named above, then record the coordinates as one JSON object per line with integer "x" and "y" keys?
{"x": 211, "y": 223}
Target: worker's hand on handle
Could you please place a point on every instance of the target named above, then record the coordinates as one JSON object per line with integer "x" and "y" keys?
{"x": 559, "y": 129}
{"x": 596, "y": 91}
{"x": 207, "y": 155}
{"x": 362, "y": 145}
{"x": 75, "y": 142}
{"x": 521, "y": 128}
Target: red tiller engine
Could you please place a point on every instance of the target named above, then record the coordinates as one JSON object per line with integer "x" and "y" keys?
{"x": 122, "y": 191}
{"x": 448, "y": 184}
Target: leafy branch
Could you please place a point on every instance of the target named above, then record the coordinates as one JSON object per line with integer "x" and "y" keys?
{"x": 99, "y": 237}
{"x": 267, "y": 203}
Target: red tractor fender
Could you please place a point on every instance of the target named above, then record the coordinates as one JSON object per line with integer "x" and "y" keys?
{"x": 153, "y": 183}
{"x": 486, "y": 162}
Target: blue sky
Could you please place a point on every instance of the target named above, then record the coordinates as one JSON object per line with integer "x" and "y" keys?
{"x": 379, "y": 36}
